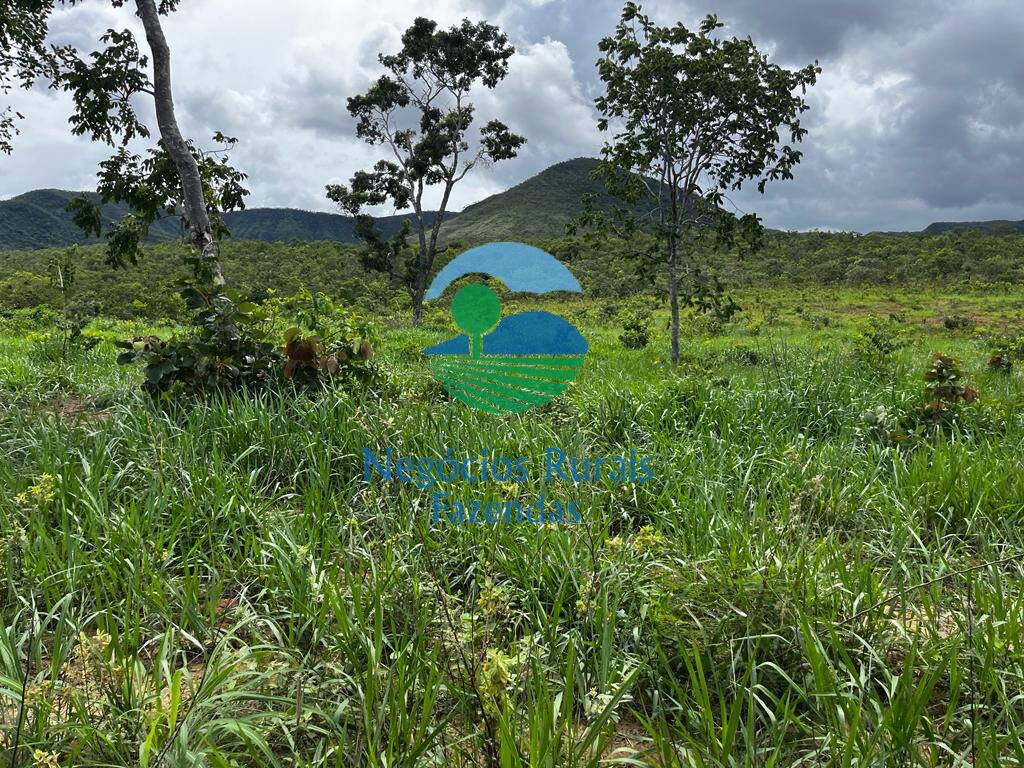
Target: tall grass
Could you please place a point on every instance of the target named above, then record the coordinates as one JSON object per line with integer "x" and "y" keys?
{"x": 213, "y": 583}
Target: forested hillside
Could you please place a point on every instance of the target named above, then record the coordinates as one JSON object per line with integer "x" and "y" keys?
{"x": 787, "y": 259}
{"x": 537, "y": 209}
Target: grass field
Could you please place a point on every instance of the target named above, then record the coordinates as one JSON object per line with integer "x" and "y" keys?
{"x": 805, "y": 580}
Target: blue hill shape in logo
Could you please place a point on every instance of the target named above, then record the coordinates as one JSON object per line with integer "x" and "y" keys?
{"x": 526, "y": 359}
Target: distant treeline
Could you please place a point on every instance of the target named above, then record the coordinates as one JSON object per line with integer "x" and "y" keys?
{"x": 607, "y": 269}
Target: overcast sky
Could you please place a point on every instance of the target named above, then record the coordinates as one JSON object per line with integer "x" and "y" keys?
{"x": 918, "y": 115}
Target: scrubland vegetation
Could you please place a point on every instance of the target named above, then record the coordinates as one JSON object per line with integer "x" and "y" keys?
{"x": 823, "y": 570}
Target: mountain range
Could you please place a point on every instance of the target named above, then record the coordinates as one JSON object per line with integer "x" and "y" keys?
{"x": 537, "y": 209}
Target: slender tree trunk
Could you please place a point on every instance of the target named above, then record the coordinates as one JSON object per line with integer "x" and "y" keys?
{"x": 428, "y": 250}
{"x": 200, "y": 230}
{"x": 423, "y": 260}
{"x": 673, "y": 294}
{"x": 420, "y": 288}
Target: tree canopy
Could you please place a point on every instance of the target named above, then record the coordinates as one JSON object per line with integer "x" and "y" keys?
{"x": 692, "y": 117}
{"x": 420, "y": 111}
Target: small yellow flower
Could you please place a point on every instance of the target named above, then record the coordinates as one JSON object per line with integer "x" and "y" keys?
{"x": 614, "y": 544}
{"x": 21, "y": 499}
{"x": 45, "y": 489}
{"x": 43, "y": 759}
{"x": 647, "y": 539}
{"x": 491, "y": 599}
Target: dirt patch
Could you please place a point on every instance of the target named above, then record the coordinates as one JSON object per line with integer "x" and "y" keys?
{"x": 630, "y": 741}
{"x": 75, "y": 409}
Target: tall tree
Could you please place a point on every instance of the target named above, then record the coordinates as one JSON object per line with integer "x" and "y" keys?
{"x": 693, "y": 117}
{"x": 173, "y": 179}
{"x": 420, "y": 111}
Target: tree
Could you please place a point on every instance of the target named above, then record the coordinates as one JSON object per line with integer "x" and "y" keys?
{"x": 420, "y": 111}
{"x": 174, "y": 179}
{"x": 24, "y": 55}
{"x": 693, "y": 117}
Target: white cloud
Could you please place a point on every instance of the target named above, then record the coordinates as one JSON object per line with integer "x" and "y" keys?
{"x": 917, "y": 116}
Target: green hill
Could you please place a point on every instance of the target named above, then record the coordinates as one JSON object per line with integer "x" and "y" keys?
{"x": 39, "y": 219}
{"x": 994, "y": 227}
{"x": 282, "y": 225}
{"x": 537, "y": 209}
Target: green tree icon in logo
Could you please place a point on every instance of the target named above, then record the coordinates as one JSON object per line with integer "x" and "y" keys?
{"x": 476, "y": 310}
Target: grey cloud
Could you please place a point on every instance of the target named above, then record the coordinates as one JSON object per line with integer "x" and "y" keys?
{"x": 918, "y": 116}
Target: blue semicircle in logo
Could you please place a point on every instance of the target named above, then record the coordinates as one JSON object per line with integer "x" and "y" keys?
{"x": 522, "y": 268}
{"x": 525, "y": 333}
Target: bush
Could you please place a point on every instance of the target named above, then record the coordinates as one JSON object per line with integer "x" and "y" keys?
{"x": 23, "y": 290}
{"x": 336, "y": 342}
{"x": 234, "y": 346}
{"x": 958, "y": 323}
{"x": 19, "y": 322}
{"x": 1000, "y": 363}
{"x": 746, "y": 356}
{"x": 229, "y": 347}
{"x": 878, "y": 341}
{"x": 945, "y": 393}
{"x": 636, "y": 333}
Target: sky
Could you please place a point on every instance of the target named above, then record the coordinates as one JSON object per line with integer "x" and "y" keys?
{"x": 918, "y": 115}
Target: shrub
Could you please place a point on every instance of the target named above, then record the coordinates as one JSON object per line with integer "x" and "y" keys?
{"x": 234, "y": 346}
{"x": 945, "y": 393}
{"x": 229, "y": 347}
{"x": 1005, "y": 349}
{"x": 817, "y": 322}
{"x": 19, "y": 322}
{"x": 636, "y": 331}
{"x": 880, "y": 423}
{"x": 746, "y": 356}
{"x": 23, "y": 290}
{"x": 958, "y": 323}
{"x": 1001, "y": 363}
{"x": 878, "y": 341}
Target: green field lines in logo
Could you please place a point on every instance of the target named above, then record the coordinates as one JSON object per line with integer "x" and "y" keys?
{"x": 506, "y": 383}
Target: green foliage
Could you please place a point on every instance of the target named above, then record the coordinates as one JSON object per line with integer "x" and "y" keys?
{"x": 151, "y": 190}
{"x": 878, "y": 340}
{"x": 1001, "y": 363}
{"x": 235, "y": 345}
{"x": 330, "y": 342}
{"x": 74, "y": 314}
{"x": 229, "y": 347}
{"x": 636, "y": 330}
{"x": 958, "y": 323}
{"x": 24, "y": 56}
{"x": 421, "y": 110}
{"x": 230, "y": 572}
{"x": 946, "y": 393}
{"x": 254, "y": 269}
{"x": 24, "y": 290}
{"x": 693, "y": 116}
